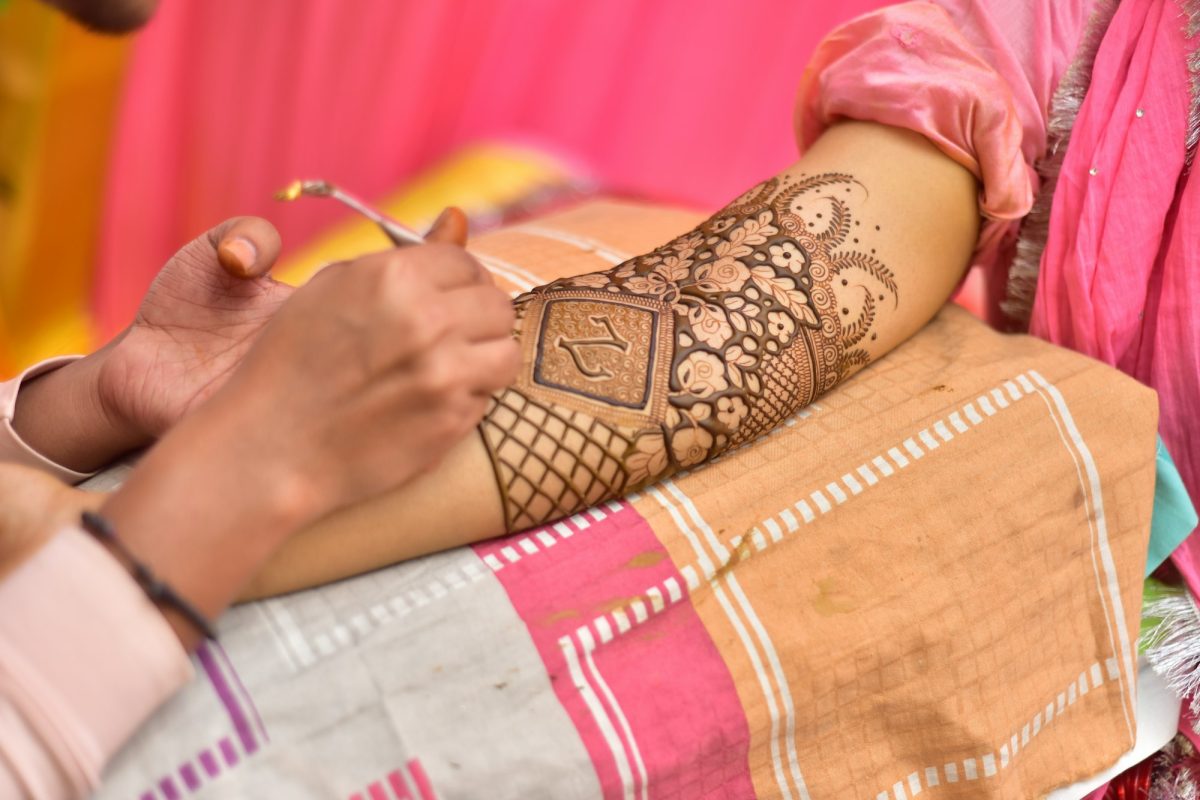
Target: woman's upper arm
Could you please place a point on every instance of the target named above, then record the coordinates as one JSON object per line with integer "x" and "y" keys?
{"x": 977, "y": 78}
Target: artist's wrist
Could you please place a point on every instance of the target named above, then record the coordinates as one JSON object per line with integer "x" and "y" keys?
{"x": 63, "y": 416}
{"x": 205, "y": 513}
{"x": 239, "y": 465}
{"x": 243, "y": 428}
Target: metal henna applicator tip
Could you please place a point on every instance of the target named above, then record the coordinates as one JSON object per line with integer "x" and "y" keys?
{"x": 400, "y": 235}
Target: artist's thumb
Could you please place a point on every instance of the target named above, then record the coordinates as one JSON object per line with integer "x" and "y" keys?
{"x": 449, "y": 228}
{"x": 246, "y": 246}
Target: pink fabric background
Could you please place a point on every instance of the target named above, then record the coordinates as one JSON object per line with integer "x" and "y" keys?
{"x": 667, "y": 676}
{"x": 226, "y": 101}
{"x": 1118, "y": 278}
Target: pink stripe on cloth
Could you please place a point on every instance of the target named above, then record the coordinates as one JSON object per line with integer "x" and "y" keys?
{"x": 424, "y": 787}
{"x": 378, "y": 790}
{"x": 396, "y": 781}
{"x": 653, "y": 701}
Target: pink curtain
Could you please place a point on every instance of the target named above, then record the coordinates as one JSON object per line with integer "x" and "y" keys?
{"x": 226, "y": 101}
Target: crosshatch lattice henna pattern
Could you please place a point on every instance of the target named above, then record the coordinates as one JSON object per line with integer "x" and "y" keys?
{"x": 671, "y": 358}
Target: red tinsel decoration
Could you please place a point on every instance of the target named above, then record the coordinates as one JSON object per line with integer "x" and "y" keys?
{"x": 1132, "y": 784}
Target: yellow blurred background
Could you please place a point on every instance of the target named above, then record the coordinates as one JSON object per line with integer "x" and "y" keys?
{"x": 58, "y": 92}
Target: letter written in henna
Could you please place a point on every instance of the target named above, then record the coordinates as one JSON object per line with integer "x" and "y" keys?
{"x": 573, "y": 346}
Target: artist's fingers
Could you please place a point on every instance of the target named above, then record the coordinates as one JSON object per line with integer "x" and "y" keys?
{"x": 246, "y": 246}
{"x": 446, "y": 266}
{"x": 450, "y": 227}
{"x": 442, "y": 267}
{"x": 481, "y": 313}
{"x": 492, "y": 365}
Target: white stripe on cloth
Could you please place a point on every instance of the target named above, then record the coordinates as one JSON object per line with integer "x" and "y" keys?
{"x": 1099, "y": 525}
{"x": 621, "y": 720}
{"x": 788, "y": 720}
{"x": 585, "y": 243}
{"x": 611, "y": 738}
{"x": 520, "y": 277}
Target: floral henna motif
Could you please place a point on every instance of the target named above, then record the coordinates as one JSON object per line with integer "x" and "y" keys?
{"x": 704, "y": 344}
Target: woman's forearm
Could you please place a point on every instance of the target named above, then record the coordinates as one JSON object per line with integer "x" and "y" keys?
{"x": 671, "y": 358}
{"x": 716, "y": 337}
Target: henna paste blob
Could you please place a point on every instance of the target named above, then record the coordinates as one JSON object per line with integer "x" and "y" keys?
{"x": 671, "y": 358}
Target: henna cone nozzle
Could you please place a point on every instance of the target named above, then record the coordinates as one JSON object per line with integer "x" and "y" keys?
{"x": 400, "y": 235}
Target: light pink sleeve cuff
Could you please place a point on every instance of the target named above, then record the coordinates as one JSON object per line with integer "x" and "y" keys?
{"x": 85, "y": 658}
{"x": 909, "y": 66}
{"x": 12, "y": 447}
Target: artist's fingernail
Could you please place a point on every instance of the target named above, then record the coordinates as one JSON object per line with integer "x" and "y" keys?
{"x": 240, "y": 250}
{"x": 437, "y": 222}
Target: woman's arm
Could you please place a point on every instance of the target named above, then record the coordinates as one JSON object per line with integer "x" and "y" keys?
{"x": 671, "y": 358}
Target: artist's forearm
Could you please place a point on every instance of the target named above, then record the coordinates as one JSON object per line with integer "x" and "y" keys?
{"x": 61, "y": 416}
{"x": 195, "y": 510}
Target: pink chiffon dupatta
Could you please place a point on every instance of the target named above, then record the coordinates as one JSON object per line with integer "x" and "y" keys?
{"x": 1119, "y": 279}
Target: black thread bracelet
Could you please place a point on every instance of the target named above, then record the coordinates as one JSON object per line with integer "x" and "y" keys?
{"x": 159, "y": 592}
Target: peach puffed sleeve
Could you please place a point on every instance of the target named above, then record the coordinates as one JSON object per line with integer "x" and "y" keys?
{"x": 85, "y": 658}
{"x": 975, "y": 77}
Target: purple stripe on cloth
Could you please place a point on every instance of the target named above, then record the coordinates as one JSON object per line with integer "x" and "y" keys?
{"x": 246, "y": 698}
{"x": 190, "y": 779}
{"x": 209, "y": 762}
{"x": 225, "y": 694}
{"x": 227, "y": 750}
{"x": 191, "y": 776}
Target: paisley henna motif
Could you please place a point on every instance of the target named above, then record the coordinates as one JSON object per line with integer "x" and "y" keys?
{"x": 704, "y": 344}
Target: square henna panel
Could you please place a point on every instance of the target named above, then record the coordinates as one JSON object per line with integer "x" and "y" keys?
{"x": 600, "y": 353}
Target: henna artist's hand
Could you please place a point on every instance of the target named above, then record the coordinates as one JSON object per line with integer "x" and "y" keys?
{"x": 374, "y": 369}
{"x": 365, "y": 377}
{"x": 449, "y": 228}
{"x": 197, "y": 320}
{"x": 202, "y": 313}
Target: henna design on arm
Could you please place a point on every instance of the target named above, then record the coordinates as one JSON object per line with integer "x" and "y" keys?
{"x": 671, "y": 358}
